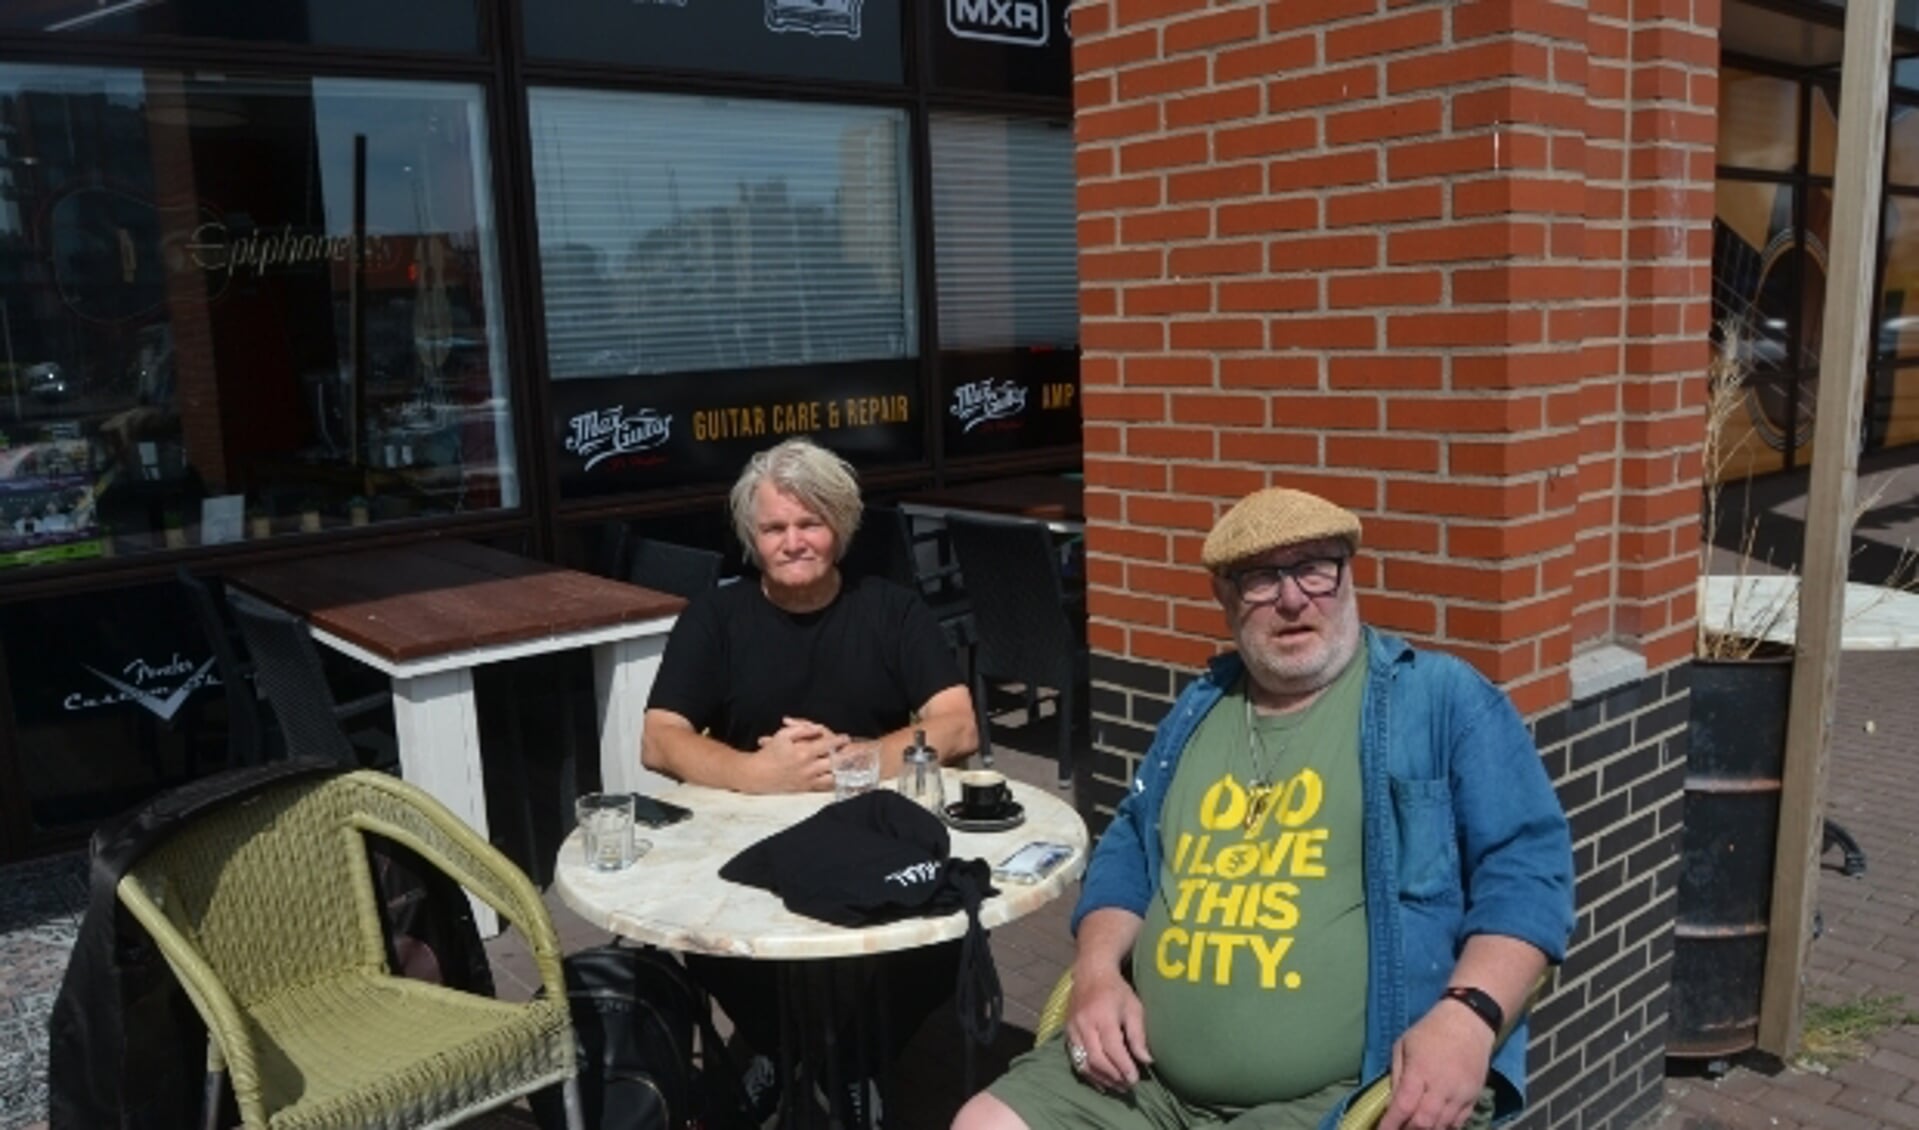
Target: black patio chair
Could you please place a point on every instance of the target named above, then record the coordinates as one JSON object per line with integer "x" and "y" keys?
{"x": 290, "y": 675}
{"x": 1028, "y": 628}
{"x": 888, "y": 546}
{"x": 249, "y": 736}
{"x": 664, "y": 566}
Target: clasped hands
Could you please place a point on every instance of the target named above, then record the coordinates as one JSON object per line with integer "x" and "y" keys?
{"x": 1439, "y": 1064}
{"x": 798, "y": 757}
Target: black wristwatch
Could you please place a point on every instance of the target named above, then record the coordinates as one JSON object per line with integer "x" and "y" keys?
{"x": 1481, "y": 1002}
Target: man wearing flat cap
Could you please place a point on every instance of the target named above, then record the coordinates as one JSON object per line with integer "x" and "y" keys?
{"x": 1341, "y": 859}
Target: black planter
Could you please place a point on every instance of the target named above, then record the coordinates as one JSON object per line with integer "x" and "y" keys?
{"x": 1735, "y": 757}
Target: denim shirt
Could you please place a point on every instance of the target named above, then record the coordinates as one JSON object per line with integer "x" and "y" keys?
{"x": 1463, "y": 835}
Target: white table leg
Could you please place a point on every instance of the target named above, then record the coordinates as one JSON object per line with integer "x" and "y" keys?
{"x": 439, "y": 734}
{"x": 623, "y": 672}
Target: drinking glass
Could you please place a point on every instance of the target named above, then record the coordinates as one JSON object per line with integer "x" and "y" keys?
{"x": 606, "y": 830}
{"x": 856, "y": 769}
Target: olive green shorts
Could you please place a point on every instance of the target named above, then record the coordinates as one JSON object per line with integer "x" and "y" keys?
{"x": 1043, "y": 1089}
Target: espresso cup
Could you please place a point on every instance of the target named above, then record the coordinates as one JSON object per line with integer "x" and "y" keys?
{"x": 983, "y": 794}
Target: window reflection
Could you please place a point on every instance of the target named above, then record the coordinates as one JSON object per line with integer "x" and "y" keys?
{"x": 682, "y": 234}
{"x": 1003, "y": 232}
{"x": 1758, "y": 120}
{"x": 417, "y": 25}
{"x": 239, "y": 309}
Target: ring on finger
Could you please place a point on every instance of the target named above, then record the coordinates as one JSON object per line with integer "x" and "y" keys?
{"x": 1077, "y": 1054}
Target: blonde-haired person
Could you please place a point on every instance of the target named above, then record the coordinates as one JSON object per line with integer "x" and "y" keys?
{"x": 762, "y": 680}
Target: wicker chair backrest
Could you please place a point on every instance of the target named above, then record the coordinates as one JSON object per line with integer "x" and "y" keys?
{"x": 246, "y": 726}
{"x": 278, "y": 890}
{"x": 287, "y": 666}
{"x": 273, "y": 891}
{"x": 1020, "y": 612}
{"x": 663, "y": 566}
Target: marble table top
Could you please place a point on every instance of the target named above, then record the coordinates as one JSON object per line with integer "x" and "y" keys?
{"x": 673, "y": 897}
{"x": 1767, "y": 607}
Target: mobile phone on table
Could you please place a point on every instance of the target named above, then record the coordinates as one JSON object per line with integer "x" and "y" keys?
{"x": 656, "y": 813}
{"x": 1033, "y": 862}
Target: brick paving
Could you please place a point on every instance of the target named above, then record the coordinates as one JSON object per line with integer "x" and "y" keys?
{"x": 1871, "y": 939}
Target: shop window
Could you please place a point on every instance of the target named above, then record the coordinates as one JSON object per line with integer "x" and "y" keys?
{"x": 1825, "y": 130}
{"x": 685, "y": 237}
{"x": 1758, "y": 121}
{"x": 840, "y": 40}
{"x": 1902, "y": 146}
{"x": 1899, "y": 292}
{"x": 416, "y": 25}
{"x": 240, "y": 309}
{"x": 1005, "y": 255}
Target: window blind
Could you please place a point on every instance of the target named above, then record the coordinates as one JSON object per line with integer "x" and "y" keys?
{"x": 681, "y": 233}
{"x": 1004, "y": 235}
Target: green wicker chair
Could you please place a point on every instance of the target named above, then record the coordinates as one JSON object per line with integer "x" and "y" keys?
{"x": 1363, "y": 1113}
{"x": 265, "y": 911}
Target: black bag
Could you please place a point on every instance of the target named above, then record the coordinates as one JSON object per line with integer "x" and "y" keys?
{"x": 635, "y": 1012}
{"x": 875, "y": 858}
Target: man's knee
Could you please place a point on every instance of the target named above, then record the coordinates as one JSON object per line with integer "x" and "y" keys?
{"x": 985, "y": 1112}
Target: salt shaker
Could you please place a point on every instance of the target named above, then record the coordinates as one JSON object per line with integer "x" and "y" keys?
{"x": 919, "y": 779}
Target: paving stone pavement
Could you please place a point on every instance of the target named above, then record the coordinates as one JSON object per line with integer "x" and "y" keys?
{"x": 1871, "y": 939}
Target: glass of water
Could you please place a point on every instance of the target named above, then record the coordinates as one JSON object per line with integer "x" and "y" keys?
{"x": 606, "y": 830}
{"x": 856, "y": 769}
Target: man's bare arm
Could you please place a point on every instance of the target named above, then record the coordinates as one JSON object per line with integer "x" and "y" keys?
{"x": 795, "y": 762}
{"x": 1105, "y": 1016}
{"x": 951, "y": 728}
{"x": 1440, "y": 1064}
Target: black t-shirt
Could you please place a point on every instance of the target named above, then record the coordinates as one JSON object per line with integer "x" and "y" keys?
{"x": 736, "y": 664}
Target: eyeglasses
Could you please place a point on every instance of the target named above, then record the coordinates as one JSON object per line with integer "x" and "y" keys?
{"x": 1315, "y": 576}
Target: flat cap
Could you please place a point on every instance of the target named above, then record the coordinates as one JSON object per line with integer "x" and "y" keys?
{"x": 1274, "y": 517}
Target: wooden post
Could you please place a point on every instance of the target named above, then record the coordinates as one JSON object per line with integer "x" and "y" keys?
{"x": 1850, "y": 314}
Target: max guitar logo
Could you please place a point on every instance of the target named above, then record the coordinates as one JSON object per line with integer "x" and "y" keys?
{"x": 1024, "y": 23}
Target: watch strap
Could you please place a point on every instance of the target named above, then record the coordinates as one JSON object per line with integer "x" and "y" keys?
{"x": 1482, "y": 1004}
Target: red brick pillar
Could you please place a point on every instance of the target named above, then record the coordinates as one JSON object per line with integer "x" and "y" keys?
{"x": 1449, "y": 265}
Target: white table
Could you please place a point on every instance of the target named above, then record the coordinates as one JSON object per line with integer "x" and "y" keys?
{"x": 673, "y": 897}
{"x": 426, "y": 615}
{"x": 1767, "y": 607}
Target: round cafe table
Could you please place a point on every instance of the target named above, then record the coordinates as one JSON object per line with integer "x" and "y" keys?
{"x": 674, "y": 898}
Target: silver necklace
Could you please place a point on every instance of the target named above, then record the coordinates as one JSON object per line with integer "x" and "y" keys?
{"x": 1260, "y": 789}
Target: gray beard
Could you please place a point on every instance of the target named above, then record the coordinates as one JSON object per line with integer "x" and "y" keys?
{"x": 1295, "y": 687}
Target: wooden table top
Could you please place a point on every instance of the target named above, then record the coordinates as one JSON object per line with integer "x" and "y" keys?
{"x": 437, "y": 597}
{"x": 1043, "y": 498}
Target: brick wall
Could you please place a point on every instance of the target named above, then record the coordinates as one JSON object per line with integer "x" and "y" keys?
{"x": 1447, "y": 264}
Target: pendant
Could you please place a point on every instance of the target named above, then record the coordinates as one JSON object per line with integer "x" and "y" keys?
{"x": 1261, "y": 800}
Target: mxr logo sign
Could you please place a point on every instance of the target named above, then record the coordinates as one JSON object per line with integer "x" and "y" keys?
{"x": 1024, "y": 23}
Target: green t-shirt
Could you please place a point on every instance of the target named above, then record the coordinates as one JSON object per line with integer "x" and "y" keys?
{"x": 1251, "y": 963}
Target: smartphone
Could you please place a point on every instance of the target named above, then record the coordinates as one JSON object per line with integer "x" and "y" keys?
{"x": 1033, "y": 862}
{"x": 655, "y": 813}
